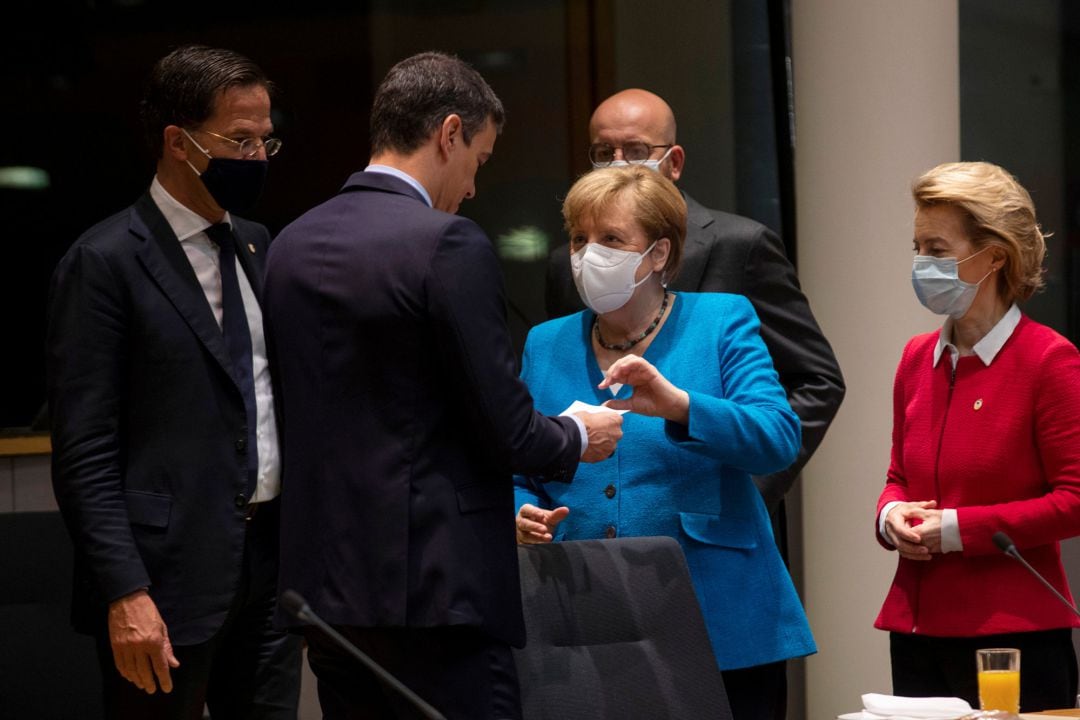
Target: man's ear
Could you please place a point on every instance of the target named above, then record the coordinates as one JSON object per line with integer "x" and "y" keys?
{"x": 173, "y": 144}
{"x": 450, "y": 134}
{"x": 676, "y": 161}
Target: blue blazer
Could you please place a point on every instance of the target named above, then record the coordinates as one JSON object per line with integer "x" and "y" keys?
{"x": 691, "y": 482}
{"x": 148, "y": 426}
{"x": 403, "y": 416}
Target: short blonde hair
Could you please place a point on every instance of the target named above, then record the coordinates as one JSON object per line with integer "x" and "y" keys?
{"x": 998, "y": 212}
{"x": 658, "y": 206}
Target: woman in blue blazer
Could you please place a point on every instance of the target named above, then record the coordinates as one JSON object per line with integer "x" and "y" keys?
{"x": 704, "y": 411}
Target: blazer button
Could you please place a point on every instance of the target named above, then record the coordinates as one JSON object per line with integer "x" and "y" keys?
{"x": 241, "y": 445}
{"x": 240, "y": 500}
{"x": 609, "y": 492}
{"x": 609, "y": 532}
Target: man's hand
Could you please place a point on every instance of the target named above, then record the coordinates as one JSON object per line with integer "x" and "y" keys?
{"x": 140, "y": 642}
{"x": 604, "y": 430}
{"x": 536, "y": 525}
{"x": 653, "y": 394}
{"x": 903, "y": 525}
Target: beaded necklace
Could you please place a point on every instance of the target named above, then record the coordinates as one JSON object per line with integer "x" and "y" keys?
{"x": 631, "y": 343}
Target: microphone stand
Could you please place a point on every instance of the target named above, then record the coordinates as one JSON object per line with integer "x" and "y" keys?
{"x": 1005, "y": 544}
{"x": 296, "y": 606}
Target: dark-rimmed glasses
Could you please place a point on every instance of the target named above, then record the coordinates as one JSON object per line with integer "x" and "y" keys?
{"x": 635, "y": 152}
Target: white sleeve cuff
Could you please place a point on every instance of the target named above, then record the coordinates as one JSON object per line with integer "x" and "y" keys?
{"x": 950, "y": 532}
{"x": 883, "y": 531}
{"x": 584, "y": 433}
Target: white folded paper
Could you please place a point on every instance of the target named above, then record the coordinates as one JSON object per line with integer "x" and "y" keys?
{"x": 578, "y": 406}
{"x": 896, "y": 707}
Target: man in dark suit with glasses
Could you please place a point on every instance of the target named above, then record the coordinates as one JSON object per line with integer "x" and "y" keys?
{"x": 165, "y": 453}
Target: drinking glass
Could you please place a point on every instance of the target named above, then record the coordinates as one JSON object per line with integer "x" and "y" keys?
{"x": 999, "y": 679}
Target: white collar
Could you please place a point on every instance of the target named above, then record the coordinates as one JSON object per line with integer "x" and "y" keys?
{"x": 402, "y": 175}
{"x": 184, "y": 221}
{"x": 989, "y": 346}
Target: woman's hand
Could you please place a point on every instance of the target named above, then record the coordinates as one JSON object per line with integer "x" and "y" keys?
{"x": 535, "y": 525}
{"x": 653, "y": 394}
{"x": 904, "y": 524}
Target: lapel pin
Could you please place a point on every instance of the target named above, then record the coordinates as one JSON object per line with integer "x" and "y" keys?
{"x": 251, "y": 247}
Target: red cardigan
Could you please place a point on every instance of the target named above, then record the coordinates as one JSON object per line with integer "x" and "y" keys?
{"x": 1001, "y": 444}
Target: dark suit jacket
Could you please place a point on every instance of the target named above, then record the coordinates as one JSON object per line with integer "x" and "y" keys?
{"x": 733, "y": 254}
{"x": 403, "y": 416}
{"x": 148, "y": 426}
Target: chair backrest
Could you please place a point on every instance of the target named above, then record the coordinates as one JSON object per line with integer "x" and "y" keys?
{"x": 614, "y": 631}
{"x": 46, "y": 670}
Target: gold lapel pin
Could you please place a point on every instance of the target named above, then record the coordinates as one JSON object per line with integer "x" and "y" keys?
{"x": 978, "y": 404}
{"x": 251, "y": 247}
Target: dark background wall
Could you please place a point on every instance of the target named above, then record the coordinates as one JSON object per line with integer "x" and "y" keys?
{"x": 72, "y": 74}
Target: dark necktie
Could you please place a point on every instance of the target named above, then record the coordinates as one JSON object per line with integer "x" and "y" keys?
{"x": 234, "y": 327}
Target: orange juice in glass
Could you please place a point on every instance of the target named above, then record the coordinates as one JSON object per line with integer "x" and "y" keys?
{"x": 999, "y": 679}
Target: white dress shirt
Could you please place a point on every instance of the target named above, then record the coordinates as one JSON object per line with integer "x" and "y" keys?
{"x": 190, "y": 229}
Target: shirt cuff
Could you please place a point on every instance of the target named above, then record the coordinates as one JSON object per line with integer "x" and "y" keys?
{"x": 950, "y": 532}
{"x": 882, "y": 529}
{"x": 584, "y": 433}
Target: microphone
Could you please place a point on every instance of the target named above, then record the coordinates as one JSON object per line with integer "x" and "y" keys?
{"x": 1005, "y": 545}
{"x": 297, "y": 606}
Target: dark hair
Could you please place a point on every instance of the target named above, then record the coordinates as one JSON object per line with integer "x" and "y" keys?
{"x": 420, "y": 92}
{"x": 184, "y": 86}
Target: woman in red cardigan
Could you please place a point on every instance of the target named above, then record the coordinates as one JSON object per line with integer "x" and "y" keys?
{"x": 986, "y": 438}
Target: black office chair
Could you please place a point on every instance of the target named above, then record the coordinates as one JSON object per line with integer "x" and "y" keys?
{"x": 47, "y": 671}
{"x": 614, "y": 631}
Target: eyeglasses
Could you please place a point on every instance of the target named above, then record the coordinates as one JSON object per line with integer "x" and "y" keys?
{"x": 635, "y": 152}
{"x": 248, "y": 147}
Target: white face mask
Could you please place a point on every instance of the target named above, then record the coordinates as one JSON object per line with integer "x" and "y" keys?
{"x": 653, "y": 165}
{"x": 938, "y": 285}
{"x": 605, "y": 277}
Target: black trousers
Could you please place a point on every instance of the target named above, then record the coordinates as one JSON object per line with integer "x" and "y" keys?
{"x": 246, "y": 670}
{"x": 758, "y": 692}
{"x": 933, "y": 667}
{"x": 459, "y": 671}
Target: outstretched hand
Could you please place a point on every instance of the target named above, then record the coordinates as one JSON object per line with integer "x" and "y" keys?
{"x": 537, "y": 525}
{"x": 604, "y": 430}
{"x": 653, "y": 394}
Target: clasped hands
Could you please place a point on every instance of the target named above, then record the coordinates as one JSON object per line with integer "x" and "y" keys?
{"x": 915, "y": 529}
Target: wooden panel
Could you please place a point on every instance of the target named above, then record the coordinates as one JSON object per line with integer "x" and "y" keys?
{"x": 25, "y": 445}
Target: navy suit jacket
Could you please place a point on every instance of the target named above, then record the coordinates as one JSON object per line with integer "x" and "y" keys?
{"x": 149, "y": 458}
{"x": 403, "y": 416}
{"x": 732, "y": 254}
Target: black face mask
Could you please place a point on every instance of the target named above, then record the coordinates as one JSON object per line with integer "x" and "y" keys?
{"x": 234, "y": 184}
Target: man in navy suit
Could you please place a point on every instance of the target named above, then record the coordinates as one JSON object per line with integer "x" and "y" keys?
{"x": 403, "y": 417}
{"x": 165, "y": 457}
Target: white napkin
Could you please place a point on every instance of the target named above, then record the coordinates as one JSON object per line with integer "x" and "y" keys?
{"x": 895, "y": 707}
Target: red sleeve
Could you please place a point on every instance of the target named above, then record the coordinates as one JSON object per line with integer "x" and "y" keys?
{"x": 1055, "y": 515}
{"x": 895, "y": 482}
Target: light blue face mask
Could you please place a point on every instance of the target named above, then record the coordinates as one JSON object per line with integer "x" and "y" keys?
{"x": 653, "y": 165}
{"x": 938, "y": 285}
